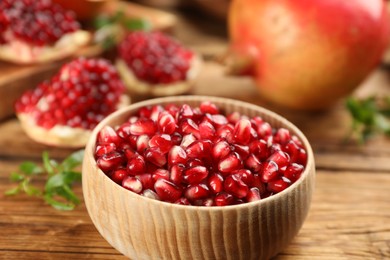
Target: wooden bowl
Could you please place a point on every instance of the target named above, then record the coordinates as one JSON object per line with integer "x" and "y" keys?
{"x": 142, "y": 228}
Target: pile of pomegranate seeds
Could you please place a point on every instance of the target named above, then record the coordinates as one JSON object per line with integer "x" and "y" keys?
{"x": 37, "y": 22}
{"x": 155, "y": 58}
{"x": 80, "y": 95}
{"x": 198, "y": 156}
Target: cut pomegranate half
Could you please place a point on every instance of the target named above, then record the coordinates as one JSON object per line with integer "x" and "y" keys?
{"x": 35, "y": 31}
{"x": 64, "y": 110}
{"x": 152, "y": 63}
{"x": 185, "y": 163}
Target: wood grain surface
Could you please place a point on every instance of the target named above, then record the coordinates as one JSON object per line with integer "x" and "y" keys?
{"x": 350, "y": 212}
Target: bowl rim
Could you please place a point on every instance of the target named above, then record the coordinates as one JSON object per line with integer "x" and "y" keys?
{"x": 309, "y": 168}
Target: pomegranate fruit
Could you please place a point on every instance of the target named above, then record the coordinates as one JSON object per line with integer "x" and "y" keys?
{"x": 33, "y": 31}
{"x": 307, "y": 54}
{"x": 151, "y": 63}
{"x": 163, "y": 153}
{"x": 63, "y": 110}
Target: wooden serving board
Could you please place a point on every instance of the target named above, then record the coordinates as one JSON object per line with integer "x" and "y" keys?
{"x": 15, "y": 79}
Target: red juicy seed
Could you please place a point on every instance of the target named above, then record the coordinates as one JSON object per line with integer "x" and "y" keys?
{"x": 177, "y": 155}
{"x": 176, "y": 138}
{"x": 110, "y": 161}
{"x": 133, "y": 184}
{"x": 278, "y": 185}
{"x": 302, "y": 157}
{"x": 230, "y": 163}
{"x": 218, "y": 120}
{"x": 104, "y": 149}
{"x": 136, "y": 165}
{"x": 253, "y": 195}
{"x": 208, "y": 107}
{"x": 234, "y": 117}
{"x": 280, "y": 158}
{"x": 282, "y": 136}
{"x": 242, "y": 131}
{"x": 226, "y": 132}
{"x": 235, "y": 185}
{"x": 172, "y": 109}
{"x": 118, "y": 175}
{"x": 183, "y": 201}
{"x": 107, "y": 136}
{"x": 245, "y": 175}
{"x": 199, "y": 149}
{"x": 195, "y": 174}
{"x": 143, "y": 127}
{"x": 163, "y": 141}
{"x": 220, "y": 150}
{"x": 207, "y": 130}
{"x": 197, "y": 192}
{"x": 188, "y": 126}
{"x": 256, "y": 121}
{"x": 192, "y": 162}
{"x": 187, "y": 140}
{"x": 253, "y": 164}
{"x": 166, "y": 123}
{"x": 292, "y": 149}
{"x": 296, "y": 140}
{"x": 224, "y": 199}
{"x": 242, "y": 150}
{"x": 293, "y": 171}
{"x": 257, "y": 183}
{"x": 142, "y": 143}
{"x": 146, "y": 180}
{"x": 186, "y": 112}
{"x": 215, "y": 182}
{"x": 124, "y": 130}
{"x": 155, "y": 156}
{"x": 209, "y": 202}
{"x": 270, "y": 171}
{"x": 176, "y": 174}
{"x": 130, "y": 153}
{"x": 264, "y": 130}
{"x": 167, "y": 191}
{"x": 150, "y": 194}
{"x": 132, "y": 140}
{"x": 145, "y": 111}
{"x": 160, "y": 174}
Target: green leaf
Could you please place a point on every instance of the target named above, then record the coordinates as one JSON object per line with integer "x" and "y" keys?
{"x": 58, "y": 204}
{"x": 71, "y": 177}
{"x": 54, "y": 181}
{"x": 69, "y": 195}
{"x": 72, "y": 161}
{"x": 137, "y": 25}
{"x": 30, "y": 168}
{"x": 47, "y": 163}
{"x": 101, "y": 21}
{"x": 12, "y": 191}
{"x": 16, "y": 177}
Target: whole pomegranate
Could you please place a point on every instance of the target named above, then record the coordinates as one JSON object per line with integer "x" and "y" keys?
{"x": 307, "y": 54}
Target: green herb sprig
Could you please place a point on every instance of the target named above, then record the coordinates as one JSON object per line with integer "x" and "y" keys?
{"x": 60, "y": 178}
{"x": 370, "y": 116}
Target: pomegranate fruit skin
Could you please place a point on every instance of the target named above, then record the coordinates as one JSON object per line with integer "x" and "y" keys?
{"x": 306, "y": 54}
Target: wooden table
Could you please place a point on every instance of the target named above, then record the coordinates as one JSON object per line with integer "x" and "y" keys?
{"x": 350, "y": 212}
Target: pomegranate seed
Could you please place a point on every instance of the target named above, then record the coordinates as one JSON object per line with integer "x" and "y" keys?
{"x": 226, "y": 132}
{"x": 188, "y": 126}
{"x": 277, "y": 185}
{"x": 155, "y": 156}
{"x": 167, "y": 191}
{"x": 118, "y": 175}
{"x": 130, "y": 153}
{"x": 280, "y": 158}
{"x": 177, "y": 155}
{"x": 124, "y": 130}
{"x": 166, "y": 123}
{"x": 197, "y": 192}
{"x": 107, "y": 136}
{"x": 292, "y": 149}
{"x": 293, "y": 171}
{"x": 136, "y": 165}
{"x": 143, "y": 127}
{"x": 199, "y": 149}
{"x": 183, "y": 201}
{"x": 257, "y": 183}
{"x": 215, "y": 182}
{"x": 187, "y": 140}
{"x": 142, "y": 143}
{"x": 146, "y": 180}
{"x": 163, "y": 141}
{"x": 132, "y": 139}
{"x": 253, "y": 164}
{"x": 302, "y": 157}
{"x": 282, "y": 136}
{"x": 206, "y": 130}
{"x": 224, "y": 199}
{"x": 245, "y": 175}
{"x": 192, "y": 162}
{"x": 176, "y": 174}
{"x": 176, "y": 138}
{"x": 242, "y": 150}
{"x": 221, "y": 150}
{"x": 253, "y": 195}
{"x": 104, "y": 149}
{"x": 242, "y": 131}
{"x": 270, "y": 171}
{"x": 155, "y": 112}
{"x": 218, "y": 120}
{"x": 145, "y": 111}
{"x": 208, "y": 107}
{"x": 195, "y": 174}
{"x": 208, "y": 202}
{"x": 160, "y": 174}
{"x": 234, "y": 117}
{"x": 186, "y": 112}
{"x": 132, "y": 183}
{"x": 235, "y": 185}
{"x": 230, "y": 163}
{"x": 264, "y": 130}
{"x": 110, "y": 161}
{"x": 150, "y": 194}
{"x": 259, "y": 148}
